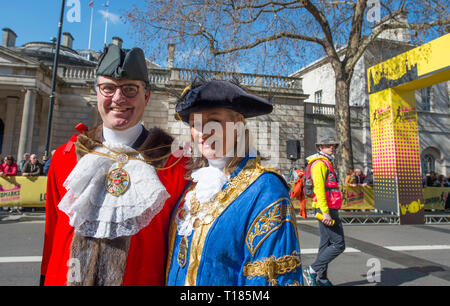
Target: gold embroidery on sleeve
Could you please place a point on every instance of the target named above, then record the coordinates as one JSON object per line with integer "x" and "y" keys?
{"x": 270, "y": 268}
{"x": 294, "y": 283}
{"x": 268, "y": 221}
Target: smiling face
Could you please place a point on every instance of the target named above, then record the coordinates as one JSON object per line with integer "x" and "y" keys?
{"x": 117, "y": 111}
{"x": 210, "y": 132}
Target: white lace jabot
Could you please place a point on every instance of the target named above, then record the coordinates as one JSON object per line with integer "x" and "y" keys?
{"x": 210, "y": 181}
{"x": 94, "y": 212}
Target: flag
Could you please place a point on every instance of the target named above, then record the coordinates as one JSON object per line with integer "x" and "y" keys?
{"x": 91, "y": 4}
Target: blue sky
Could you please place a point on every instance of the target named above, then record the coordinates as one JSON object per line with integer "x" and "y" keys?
{"x": 37, "y": 20}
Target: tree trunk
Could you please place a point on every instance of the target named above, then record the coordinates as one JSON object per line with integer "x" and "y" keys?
{"x": 344, "y": 156}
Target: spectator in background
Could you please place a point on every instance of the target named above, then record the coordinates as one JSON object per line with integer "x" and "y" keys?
{"x": 368, "y": 180}
{"x": 441, "y": 181}
{"x": 9, "y": 167}
{"x": 431, "y": 179}
{"x": 359, "y": 176}
{"x": 26, "y": 157}
{"x": 47, "y": 163}
{"x": 32, "y": 167}
{"x": 350, "y": 179}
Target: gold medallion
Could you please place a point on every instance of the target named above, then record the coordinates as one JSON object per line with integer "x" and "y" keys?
{"x": 117, "y": 181}
{"x": 195, "y": 205}
{"x": 182, "y": 252}
{"x": 197, "y": 223}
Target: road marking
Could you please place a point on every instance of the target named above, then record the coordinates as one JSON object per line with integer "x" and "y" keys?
{"x": 17, "y": 259}
{"x": 315, "y": 251}
{"x": 392, "y": 248}
{"x": 418, "y": 247}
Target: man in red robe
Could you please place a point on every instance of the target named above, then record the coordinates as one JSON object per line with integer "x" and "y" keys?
{"x": 108, "y": 227}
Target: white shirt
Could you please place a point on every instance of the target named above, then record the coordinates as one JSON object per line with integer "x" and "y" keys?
{"x": 125, "y": 137}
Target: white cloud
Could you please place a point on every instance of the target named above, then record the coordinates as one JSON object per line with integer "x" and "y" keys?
{"x": 113, "y": 18}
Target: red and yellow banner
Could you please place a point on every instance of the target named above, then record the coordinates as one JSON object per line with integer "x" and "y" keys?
{"x": 362, "y": 197}
{"x": 31, "y": 192}
{"x": 23, "y": 191}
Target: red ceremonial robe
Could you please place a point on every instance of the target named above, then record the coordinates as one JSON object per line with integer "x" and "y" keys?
{"x": 146, "y": 260}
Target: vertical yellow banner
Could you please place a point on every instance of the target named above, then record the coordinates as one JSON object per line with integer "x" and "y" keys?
{"x": 407, "y": 155}
{"x": 383, "y": 151}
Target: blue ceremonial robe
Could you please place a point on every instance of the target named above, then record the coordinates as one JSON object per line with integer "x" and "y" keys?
{"x": 251, "y": 241}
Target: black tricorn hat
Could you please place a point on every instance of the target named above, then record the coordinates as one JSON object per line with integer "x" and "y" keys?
{"x": 220, "y": 94}
{"x": 123, "y": 64}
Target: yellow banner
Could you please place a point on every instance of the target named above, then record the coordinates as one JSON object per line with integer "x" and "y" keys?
{"x": 31, "y": 192}
{"x": 23, "y": 191}
{"x": 358, "y": 197}
{"x": 435, "y": 197}
{"x": 362, "y": 197}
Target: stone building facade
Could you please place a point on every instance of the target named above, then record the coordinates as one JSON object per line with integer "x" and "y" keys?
{"x": 25, "y": 84}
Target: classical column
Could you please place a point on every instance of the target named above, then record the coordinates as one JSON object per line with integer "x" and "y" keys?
{"x": 26, "y": 128}
{"x": 42, "y": 124}
{"x": 10, "y": 121}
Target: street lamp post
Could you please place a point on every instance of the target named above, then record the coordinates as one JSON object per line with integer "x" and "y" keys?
{"x": 54, "y": 75}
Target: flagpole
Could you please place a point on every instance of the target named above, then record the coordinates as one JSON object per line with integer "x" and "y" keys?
{"x": 107, "y": 17}
{"x": 54, "y": 75}
{"x": 90, "y": 28}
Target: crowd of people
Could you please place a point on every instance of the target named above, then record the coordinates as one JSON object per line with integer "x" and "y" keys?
{"x": 358, "y": 178}
{"x": 434, "y": 180}
{"x": 28, "y": 166}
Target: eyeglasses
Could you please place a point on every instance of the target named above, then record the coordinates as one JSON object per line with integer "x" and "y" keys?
{"x": 128, "y": 90}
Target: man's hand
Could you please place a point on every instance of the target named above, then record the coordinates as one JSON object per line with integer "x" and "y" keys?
{"x": 25, "y": 174}
{"x": 327, "y": 220}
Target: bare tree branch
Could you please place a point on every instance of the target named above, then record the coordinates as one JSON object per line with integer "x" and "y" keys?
{"x": 264, "y": 40}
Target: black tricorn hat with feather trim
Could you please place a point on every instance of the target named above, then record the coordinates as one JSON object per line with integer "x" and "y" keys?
{"x": 202, "y": 96}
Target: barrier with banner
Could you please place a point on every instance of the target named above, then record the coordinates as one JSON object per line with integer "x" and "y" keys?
{"x": 23, "y": 191}
{"x": 436, "y": 198}
{"x": 31, "y": 192}
{"x": 362, "y": 197}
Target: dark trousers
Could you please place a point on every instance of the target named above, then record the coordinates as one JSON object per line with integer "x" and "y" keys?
{"x": 331, "y": 245}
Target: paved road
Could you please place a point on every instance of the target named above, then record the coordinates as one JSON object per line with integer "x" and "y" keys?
{"x": 405, "y": 255}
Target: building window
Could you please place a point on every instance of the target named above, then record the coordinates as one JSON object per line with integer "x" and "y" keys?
{"x": 428, "y": 163}
{"x": 318, "y": 97}
{"x": 425, "y": 94}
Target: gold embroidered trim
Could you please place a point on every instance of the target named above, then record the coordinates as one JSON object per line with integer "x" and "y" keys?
{"x": 267, "y": 222}
{"x": 114, "y": 156}
{"x": 270, "y": 268}
{"x": 225, "y": 197}
{"x": 294, "y": 283}
{"x": 173, "y": 233}
{"x": 182, "y": 251}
